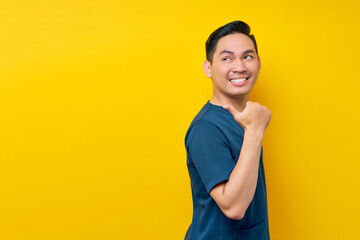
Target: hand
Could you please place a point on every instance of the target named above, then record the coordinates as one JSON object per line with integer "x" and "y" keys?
{"x": 254, "y": 117}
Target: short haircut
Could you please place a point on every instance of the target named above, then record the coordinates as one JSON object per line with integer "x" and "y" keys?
{"x": 232, "y": 27}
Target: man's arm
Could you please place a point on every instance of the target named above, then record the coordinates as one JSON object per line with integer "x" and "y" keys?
{"x": 234, "y": 196}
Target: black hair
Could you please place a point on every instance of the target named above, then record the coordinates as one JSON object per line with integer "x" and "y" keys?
{"x": 232, "y": 27}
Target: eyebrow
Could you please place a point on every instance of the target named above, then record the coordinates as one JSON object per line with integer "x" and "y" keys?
{"x": 230, "y": 52}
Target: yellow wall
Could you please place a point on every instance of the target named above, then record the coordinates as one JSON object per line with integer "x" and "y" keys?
{"x": 96, "y": 97}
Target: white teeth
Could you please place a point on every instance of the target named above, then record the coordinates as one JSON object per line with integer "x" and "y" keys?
{"x": 238, "y": 80}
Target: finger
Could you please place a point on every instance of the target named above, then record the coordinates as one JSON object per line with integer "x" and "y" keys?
{"x": 231, "y": 109}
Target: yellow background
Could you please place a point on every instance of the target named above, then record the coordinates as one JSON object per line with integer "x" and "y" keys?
{"x": 96, "y": 97}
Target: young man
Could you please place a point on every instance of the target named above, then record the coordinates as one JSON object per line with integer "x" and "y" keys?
{"x": 223, "y": 144}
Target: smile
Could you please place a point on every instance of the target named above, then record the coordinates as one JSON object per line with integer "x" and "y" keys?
{"x": 239, "y": 80}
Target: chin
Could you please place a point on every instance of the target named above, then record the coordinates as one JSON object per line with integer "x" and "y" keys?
{"x": 241, "y": 93}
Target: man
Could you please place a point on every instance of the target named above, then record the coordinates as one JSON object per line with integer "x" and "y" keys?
{"x": 223, "y": 143}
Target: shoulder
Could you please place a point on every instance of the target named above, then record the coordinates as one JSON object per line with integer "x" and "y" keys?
{"x": 210, "y": 122}
{"x": 208, "y": 115}
{"x": 203, "y": 124}
{"x": 205, "y": 133}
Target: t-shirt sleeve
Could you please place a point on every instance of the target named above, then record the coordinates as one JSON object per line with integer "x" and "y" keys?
{"x": 210, "y": 152}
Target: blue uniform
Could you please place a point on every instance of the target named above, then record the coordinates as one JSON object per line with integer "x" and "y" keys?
{"x": 213, "y": 143}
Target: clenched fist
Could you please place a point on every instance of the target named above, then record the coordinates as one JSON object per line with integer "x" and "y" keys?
{"x": 254, "y": 117}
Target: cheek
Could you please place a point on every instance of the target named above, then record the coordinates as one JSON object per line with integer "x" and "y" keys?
{"x": 255, "y": 67}
{"x": 220, "y": 72}
{"x": 223, "y": 71}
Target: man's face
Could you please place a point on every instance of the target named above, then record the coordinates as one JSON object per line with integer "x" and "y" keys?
{"x": 235, "y": 66}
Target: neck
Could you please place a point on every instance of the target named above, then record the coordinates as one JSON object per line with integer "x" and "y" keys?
{"x": 239, "y": 102}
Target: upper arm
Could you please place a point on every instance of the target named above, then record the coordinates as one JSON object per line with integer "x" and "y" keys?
{"x": 217, "y": 193}
{"x": 210, "y": 153}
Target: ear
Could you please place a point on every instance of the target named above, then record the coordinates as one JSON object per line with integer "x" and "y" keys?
{"x": 207, "y": 68}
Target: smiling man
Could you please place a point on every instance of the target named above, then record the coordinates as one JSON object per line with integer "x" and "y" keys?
{"x": 224, "y": 144}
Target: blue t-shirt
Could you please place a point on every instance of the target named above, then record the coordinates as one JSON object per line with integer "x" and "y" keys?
{"x": 213, "y": 143}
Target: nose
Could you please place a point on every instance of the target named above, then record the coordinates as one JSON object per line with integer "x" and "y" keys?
{"x": 239, "y": 66}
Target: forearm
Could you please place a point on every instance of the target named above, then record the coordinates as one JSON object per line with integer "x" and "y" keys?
{"x": 239, "y": 190}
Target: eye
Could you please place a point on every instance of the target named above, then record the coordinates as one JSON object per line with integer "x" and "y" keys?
{"x": 248, "y": 57}
{"x": 226, "y": 59}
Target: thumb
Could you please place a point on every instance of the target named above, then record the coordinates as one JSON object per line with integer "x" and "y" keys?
{"x": 231, "y": 109}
